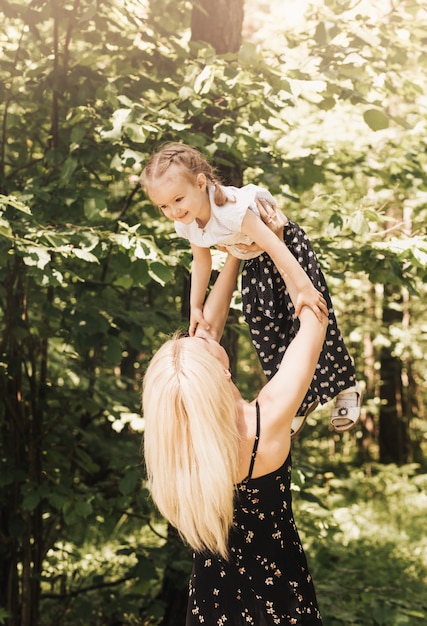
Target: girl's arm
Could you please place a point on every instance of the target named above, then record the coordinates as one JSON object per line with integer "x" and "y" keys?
{"x": 293, "y": 274}
{"x": 200, "y": 275}
{"x": 215, "y": 310}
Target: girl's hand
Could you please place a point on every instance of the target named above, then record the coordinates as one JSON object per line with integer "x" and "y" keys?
{"x": 309, "y": 296}
{"x": 197, "y": 321}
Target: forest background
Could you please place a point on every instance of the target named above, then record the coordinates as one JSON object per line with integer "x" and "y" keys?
{"x": 323, "y": 103}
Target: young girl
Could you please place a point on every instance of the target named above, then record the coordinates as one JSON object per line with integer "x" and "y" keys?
{"x": 181, "y": 182}
{"x": 219, "y": 467}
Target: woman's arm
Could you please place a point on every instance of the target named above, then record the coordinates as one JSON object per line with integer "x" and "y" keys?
{"x": 200, "y": 275}
{"x": 215, "y": 310}
{"x": 283, "y": 394}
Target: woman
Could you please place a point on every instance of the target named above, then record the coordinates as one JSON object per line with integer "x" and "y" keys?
{"x": 219, "y": 468}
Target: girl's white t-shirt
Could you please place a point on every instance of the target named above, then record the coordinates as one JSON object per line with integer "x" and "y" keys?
{"x": 224, "y": 226}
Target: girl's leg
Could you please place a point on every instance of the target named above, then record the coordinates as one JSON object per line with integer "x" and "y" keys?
{"x": 337, "y": 371}
{"x": 270, "y": 314}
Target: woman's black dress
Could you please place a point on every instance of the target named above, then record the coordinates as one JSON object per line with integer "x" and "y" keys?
{"x": 266, "y": 580}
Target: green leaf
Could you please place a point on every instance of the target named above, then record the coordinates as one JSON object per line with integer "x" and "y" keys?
{"x": 84, "y": 460}
{"x": 58, "y": 499}
{"x": 145, "y": 569}
{"x": 5, "y": 229}
{"x": 83, "y": 508}
{"x": 309, "y": 497}
{"x": 139, "y": 273}
{"x": 13, "y": 202}
{"x": 74, "y": 511}
{"x": 85, "y": 255}
{"x": 376, "y": 120}
{"x": 160, "y": 272}
{"x": 204, "y": 80}
{"x": 320, "y": 35}
{"x": 38, "y": 256}
{"x": 136, "y": 133}
{"x": 94, "y": 206}
{"x": 129, "y": 482}
{"x": 248, "y": 54}
{"x": 31, "y": 500}
{"x": 68, "y": 169}
{"x": 358, "y": 223}
{"x": 326, "y": 104}
{"x": 118, "y": 119}
{"x": 114, "y": 351}
{"x": 4, "y": 615}
{"x": 336, "y": 221}
{"x": 298, "y": 477}
{"x": 127, "y": 281}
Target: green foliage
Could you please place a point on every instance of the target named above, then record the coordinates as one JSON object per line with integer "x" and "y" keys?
{"x": 92, "y": 279}
{"x": 369, "y": 555}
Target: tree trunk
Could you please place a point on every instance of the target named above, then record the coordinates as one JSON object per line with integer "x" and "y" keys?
{"x": 398, "y": 388}
{"x": 21, "y": 567}
{"x": 393, "y": 435}
{"x": 218, "y": 23}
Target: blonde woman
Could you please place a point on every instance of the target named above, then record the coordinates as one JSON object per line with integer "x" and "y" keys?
{"x": 219, "y": 469}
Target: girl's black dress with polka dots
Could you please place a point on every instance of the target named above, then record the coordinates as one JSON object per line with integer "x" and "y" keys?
{"x": 266, "y": 580}
{"x": 270, "y": 314}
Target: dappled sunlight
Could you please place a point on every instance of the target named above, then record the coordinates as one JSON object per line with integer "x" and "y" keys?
{"x": 370, "y": 537}
{"x": 325, "y": 105}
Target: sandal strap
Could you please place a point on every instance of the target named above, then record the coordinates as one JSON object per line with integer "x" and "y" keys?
{"x": 299, "y": 420}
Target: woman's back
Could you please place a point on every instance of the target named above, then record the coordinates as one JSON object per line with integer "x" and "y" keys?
{"x": 266, "y": 579}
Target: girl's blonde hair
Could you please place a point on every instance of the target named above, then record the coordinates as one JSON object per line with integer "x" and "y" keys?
{"x": 191, "y": 442}
{"x": 190, "y": 160}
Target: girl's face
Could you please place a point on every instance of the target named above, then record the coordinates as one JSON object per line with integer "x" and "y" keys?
{"x": 179, "y": 198}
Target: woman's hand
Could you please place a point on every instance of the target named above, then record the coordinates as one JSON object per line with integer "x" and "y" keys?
{"x": 272, "y": 217}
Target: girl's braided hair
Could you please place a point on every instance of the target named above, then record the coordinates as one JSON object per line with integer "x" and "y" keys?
{"x": 190, "y": 160}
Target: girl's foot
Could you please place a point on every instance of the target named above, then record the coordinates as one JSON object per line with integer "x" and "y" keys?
{"x": 346, "y": 411}
{"x": 298, "y": 422}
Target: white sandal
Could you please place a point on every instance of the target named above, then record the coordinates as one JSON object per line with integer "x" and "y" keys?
{"x": 346, "y": 411}
{"x": 298, "y": 421}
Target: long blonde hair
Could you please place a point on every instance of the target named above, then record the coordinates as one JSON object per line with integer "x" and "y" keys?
{"x": 191, "y": 442}
{"x": 189, "y": 160}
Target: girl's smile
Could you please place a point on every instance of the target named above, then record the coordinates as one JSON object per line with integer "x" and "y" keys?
{"x": 181, "y": 199}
